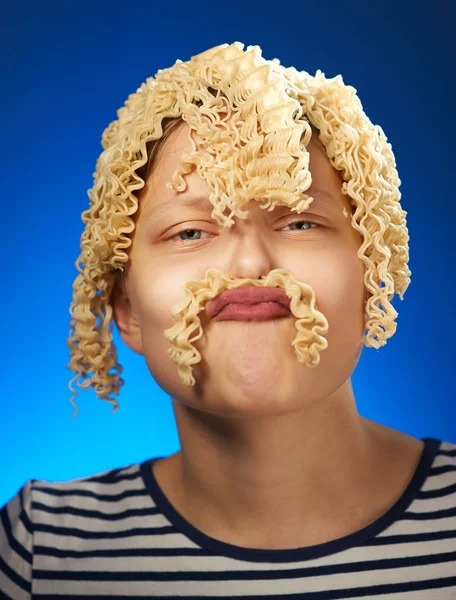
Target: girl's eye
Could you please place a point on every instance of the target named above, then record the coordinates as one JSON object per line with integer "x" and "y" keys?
{"x": 194, "y": 239}
{"x": 184, "y": 231}
{"x": 305, "y": 222}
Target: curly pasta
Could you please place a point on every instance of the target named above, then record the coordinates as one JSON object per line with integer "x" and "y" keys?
{"x": 254, "y": 119}
{"x": 311, "y": 323}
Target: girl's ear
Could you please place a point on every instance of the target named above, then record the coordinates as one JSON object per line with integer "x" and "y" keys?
{"x": 125, "y": 319}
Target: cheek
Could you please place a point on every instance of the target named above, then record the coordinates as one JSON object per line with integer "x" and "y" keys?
{"x": 337, "y": 277}
{"x": 342, "y": 301}
{"x": 158, "y": 291}
{"x": 339, "y": 285}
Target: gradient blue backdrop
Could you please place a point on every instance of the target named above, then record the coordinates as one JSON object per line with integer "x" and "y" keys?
{"x": 67, "y": 69}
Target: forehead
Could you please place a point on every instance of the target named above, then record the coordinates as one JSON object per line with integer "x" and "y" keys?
{"x": 325, "y": 178}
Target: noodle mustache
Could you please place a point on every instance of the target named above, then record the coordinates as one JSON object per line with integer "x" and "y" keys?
{"x": 311, "y": 324}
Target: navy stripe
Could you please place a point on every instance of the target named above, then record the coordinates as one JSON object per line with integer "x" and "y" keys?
{"x": 411, "y": 538}
{"x": 432, "y": 514}
{"x": 443, "y": 452}
{"x": 250, "y": 574}
{"x": 114, "y": 476}
{"x": 68, "y": 493}
{"x": 84, "y": 534}
{"x": 443, "y": 469}
{"x": 17, "y": 579}
{"x": 342, "y": 594}
{"x": 156, "y": 552}
{"x": 122, "y": 553}
{"x": 13, "y": 543}
{"x": 94, "y": 514}
{"x": 438, "y": 492}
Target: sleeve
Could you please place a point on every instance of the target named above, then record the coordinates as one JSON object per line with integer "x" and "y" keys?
{"x": 16, "y": 546}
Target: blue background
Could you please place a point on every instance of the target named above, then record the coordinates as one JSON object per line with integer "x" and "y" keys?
{"x": 67, "y": 68}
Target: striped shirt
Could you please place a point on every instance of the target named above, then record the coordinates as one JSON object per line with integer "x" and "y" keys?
{"x": 115, "y": 534}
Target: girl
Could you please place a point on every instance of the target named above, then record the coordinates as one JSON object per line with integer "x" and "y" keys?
{"x": 281, "y": 488}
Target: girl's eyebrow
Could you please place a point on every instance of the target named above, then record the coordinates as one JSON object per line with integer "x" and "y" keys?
{"x": 321, "y": 198}
{"x": 176, "y": 203}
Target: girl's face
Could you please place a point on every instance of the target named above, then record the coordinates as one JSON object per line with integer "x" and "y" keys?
{"x": 248, "y": 367}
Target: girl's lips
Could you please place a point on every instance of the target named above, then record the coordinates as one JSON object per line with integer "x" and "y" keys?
{"x": 247, "y": 295}
{"x": 261, "y": 310}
